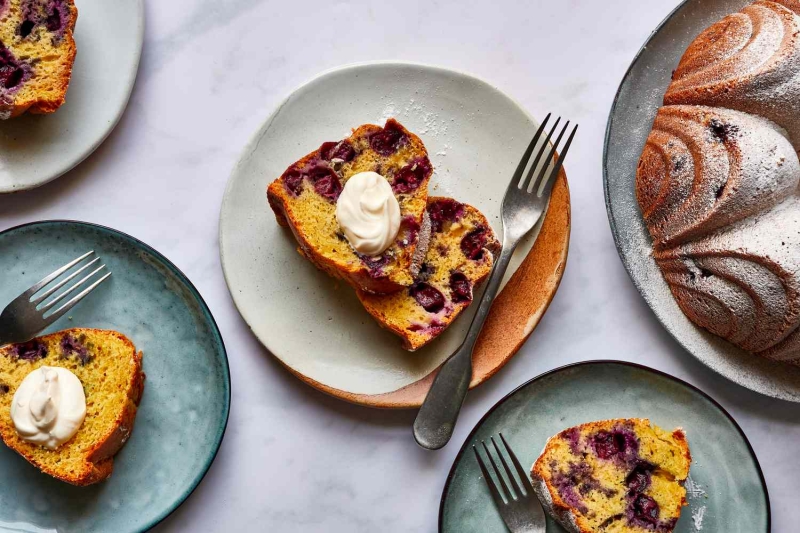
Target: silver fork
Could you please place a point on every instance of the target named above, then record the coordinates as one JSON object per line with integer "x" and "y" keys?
{"x": 523, "y": 205}
{"x": 30, "y": 313}
{"x": 520, "y": 509}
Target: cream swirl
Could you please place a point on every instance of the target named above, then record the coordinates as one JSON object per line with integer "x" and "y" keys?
{"x": 49, "y": 406}
{"x": 368, "y": 213}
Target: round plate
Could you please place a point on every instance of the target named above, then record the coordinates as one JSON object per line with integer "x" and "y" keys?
{"x": 184, "y": 409}
{"x": 635, "y": 106}
{"x": 726, "y": 489}
{"x": 36, "y": 149}
{"x": 475, "y": 136}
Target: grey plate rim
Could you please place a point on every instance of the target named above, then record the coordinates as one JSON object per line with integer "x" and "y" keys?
{"x": 615, "y": 231}
{"x": 598, "y": 362}
{"x": 607, "y": 138}
{"x": 206, "y": 311}
{"x": 112, "y": 124}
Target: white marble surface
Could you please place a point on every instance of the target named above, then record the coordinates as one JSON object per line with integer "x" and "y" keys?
{"x": 294, "y": 460}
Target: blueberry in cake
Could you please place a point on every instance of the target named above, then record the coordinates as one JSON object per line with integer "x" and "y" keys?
{"x": 614, "y": 476}
{"x": 68, "y": 401}
{"x": 460, "y": 257}
{"x": 36, "y": 55}
{"x": 306, "y": 196}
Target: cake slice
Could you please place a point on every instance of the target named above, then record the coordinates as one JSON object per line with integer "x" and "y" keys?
{"x": 109, "y": 369}
{"x": 460, "y": 257}
{"x": 305, "y": 196}
{"x": 614, "y": 476}
{"x": 37, "y": 51}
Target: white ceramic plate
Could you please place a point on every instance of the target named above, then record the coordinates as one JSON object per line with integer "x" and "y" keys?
{"x": 475, "y": 136}
{"x": 36, "y": 149}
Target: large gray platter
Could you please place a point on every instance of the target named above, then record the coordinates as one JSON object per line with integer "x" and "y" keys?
{"x": 632, "y": 114}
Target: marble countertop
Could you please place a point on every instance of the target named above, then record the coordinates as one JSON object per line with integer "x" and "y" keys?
{"x": 210, "y": 74}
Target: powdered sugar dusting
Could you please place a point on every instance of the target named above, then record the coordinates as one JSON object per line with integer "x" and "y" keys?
{"x": 433, "y": 125}
{"x": 433, "y": 129}
{"x": 389, "y": 111}
{"x": 693, "y": 489}
{"x": 697, "y": 518}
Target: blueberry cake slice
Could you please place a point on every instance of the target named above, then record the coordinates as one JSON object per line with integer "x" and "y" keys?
{"x": 305, "y": 198}
{"x": 36, "y": 55}
{"x": 109, "y": 369}
{"x": 460, "y": 257}
{"x": 614, "y": 476}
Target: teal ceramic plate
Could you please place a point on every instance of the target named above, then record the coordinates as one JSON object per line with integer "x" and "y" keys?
{"x": 726, "y": 489}
{"x": 184, "y": 409}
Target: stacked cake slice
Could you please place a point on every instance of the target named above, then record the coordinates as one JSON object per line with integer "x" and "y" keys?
{"x": 359, "y": 210}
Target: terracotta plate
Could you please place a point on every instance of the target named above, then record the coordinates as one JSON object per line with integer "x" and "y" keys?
{"x": 315, "y": 326}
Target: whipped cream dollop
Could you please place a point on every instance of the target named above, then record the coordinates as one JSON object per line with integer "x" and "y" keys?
{"x": 49, "y": 406}
{"x": 368, "y": 213}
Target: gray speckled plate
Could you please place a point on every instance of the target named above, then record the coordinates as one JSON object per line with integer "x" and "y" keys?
{"x": 632, "y": 114}
{"x": 186, "y": 400}
{"x": 726, "y": 489}
{"x": 36, "y": 149}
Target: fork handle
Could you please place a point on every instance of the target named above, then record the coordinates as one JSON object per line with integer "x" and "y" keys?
{"x": 437, "y": 417}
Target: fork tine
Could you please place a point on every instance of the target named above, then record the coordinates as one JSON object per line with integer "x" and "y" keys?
{"x": 554, "y": 174}
{"x": 509, "y": 493}
{"x": 70, "y": 290}
{"x": 37, "y": 287}
{"x": 523, "y": 475}
{"x": 547, "y": 161}
{"x": 515, "y": 180}
{"x": 509, "y": 472}
{"x": 498, "y": 498}
{"x": 63, "y": 282}
{"x": 58, "y": 313}
{"x": 539, "y": 155}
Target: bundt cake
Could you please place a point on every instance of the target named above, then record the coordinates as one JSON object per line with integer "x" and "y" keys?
{"x": 36, "y": 54}
{"x": 305, "y": 198}
{"x": 614, "y": 476}
{"x": 748, "y": 61}
{"x": 109, "y": 369}
{"x": 460, "y": 256}
{"x": 717, "y": 182}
